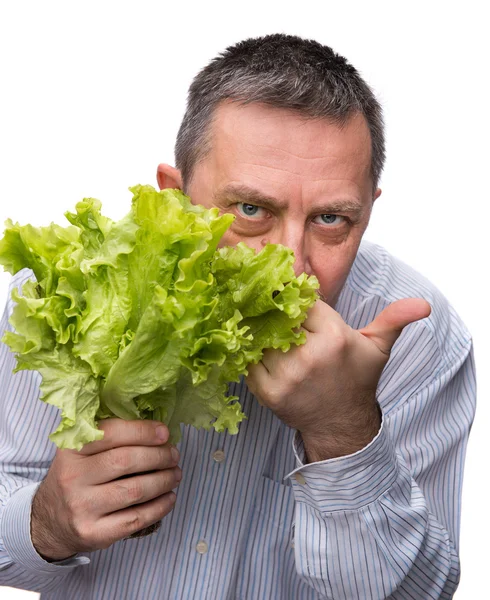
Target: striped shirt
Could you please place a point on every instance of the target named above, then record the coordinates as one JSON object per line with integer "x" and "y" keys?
{"x": 252, "y": 519}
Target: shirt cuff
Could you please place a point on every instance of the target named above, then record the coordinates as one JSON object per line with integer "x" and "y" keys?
{"x": 347, "y": 482}
{"x": 16, "y": 535}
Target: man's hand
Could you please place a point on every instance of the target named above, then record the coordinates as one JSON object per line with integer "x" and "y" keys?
{"x": 326, "y": 389}
{"x": 82, "y": 505}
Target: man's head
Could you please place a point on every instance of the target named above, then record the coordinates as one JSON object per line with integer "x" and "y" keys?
{"x": 284, "y": 134}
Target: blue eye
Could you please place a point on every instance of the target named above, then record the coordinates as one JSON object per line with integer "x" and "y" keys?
{"x": 330, "y": 219}
{"x": 248, "y": 210}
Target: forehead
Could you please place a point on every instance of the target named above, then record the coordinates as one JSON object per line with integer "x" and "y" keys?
{"x": 285, "y": 141}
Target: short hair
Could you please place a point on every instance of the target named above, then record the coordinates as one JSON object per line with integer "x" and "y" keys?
{"x": 282, "y": 71}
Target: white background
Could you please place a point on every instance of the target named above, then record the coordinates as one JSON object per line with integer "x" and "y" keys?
{"x": 92, "y": 93}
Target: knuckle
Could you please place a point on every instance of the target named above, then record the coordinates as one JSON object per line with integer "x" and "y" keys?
{"x": 338, "y": 340}
{"x": 74, "y": 505}
{"x": 66, "y": 483}
{"x": 169, "y": 479}
{"x": 125, "y": 493}
{"x": 165, "y": 456}
{"x": 133, "y": 521}
{"x": 83, "y": 532}
{"x": 134, "y": 491}
{"x": 271, "y": 396}
{"x": 167, "y": 504}
{"x": 121, "y": 459}
{"x": 298, "y": 373}
{"x": 66, "y": 479}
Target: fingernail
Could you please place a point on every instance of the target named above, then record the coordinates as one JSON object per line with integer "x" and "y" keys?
{"x": 175, "y": 454}
{"x": 162, "y": 433}
{"x": 178, "y": 474}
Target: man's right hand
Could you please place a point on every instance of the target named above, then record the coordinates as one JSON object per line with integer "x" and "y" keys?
{"x": 82, "y": 505}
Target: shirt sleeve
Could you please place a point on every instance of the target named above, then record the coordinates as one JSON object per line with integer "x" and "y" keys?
{"x": 384, "y": 522}
{"x": 25, "y": 456}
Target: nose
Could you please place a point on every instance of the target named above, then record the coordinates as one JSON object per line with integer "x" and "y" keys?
{"x": 293, "y": 236}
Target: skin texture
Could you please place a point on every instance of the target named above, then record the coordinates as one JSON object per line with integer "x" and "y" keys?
{"x": 306, "y": 184}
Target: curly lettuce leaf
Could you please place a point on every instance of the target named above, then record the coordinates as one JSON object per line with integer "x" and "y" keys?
{"x": 145, "y": 317}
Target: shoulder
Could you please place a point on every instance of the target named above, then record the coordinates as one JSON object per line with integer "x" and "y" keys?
{"x": 378, "y": 273}
{"x": 427, "y": 349}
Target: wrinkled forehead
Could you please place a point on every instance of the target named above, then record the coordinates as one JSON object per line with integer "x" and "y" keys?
{"x": 288, "y": 140}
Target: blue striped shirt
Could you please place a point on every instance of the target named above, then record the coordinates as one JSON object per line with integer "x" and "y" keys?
{"x": 254, "y": 521}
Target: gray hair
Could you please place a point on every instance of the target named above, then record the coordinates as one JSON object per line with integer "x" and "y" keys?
{"x": 282, "y": 71}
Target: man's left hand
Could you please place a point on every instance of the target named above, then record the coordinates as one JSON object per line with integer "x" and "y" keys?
{"x": 326, "y": 388}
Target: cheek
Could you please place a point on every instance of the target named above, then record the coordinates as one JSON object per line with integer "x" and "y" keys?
{"x": 230, "y": 238}
{"x": 331, "y": 269}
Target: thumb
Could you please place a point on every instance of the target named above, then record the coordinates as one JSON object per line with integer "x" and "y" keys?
{"x": 388, "y": 325}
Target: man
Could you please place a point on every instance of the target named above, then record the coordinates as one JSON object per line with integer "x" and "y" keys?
{"x": 345, "y": 479}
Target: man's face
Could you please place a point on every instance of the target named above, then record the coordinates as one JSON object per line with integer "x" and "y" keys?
{"x": 299, "y": 182}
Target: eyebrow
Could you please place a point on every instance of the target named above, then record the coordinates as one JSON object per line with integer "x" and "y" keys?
{"x": 248, "y": 195}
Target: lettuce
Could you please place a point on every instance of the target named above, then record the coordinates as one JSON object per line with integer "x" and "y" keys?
{"x": 145, "y": 318}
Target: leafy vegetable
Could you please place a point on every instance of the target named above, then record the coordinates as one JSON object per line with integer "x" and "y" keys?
{"x": 146, "y": 317}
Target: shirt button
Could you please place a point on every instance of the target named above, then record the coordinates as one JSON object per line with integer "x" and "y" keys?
{"x": 201, "y": 547}
{"x": 218, "y": 456}
{"x": 300, "y": 477}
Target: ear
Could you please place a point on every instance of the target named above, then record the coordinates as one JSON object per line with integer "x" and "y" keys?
{"x": 168, "y": 177}
{"x": 377, "y": 194}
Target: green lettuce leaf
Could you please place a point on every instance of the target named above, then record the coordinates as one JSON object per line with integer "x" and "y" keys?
{"x": 146, "y": 318}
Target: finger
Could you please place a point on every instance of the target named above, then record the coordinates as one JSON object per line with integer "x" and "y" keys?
{"x": 118, "y": 432}
{"x": 267, "y": 360}
{"x": 273, "y": 359}
{"x": 257, "y": 379}
{"x": 123, "y": 523}
{"x": 119, "y": 462}
{"x": 319, "y": 315}
{"x": 388, "y": 325}
{"x": 257, "y": 370}
{"x": 138, "y": 489}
